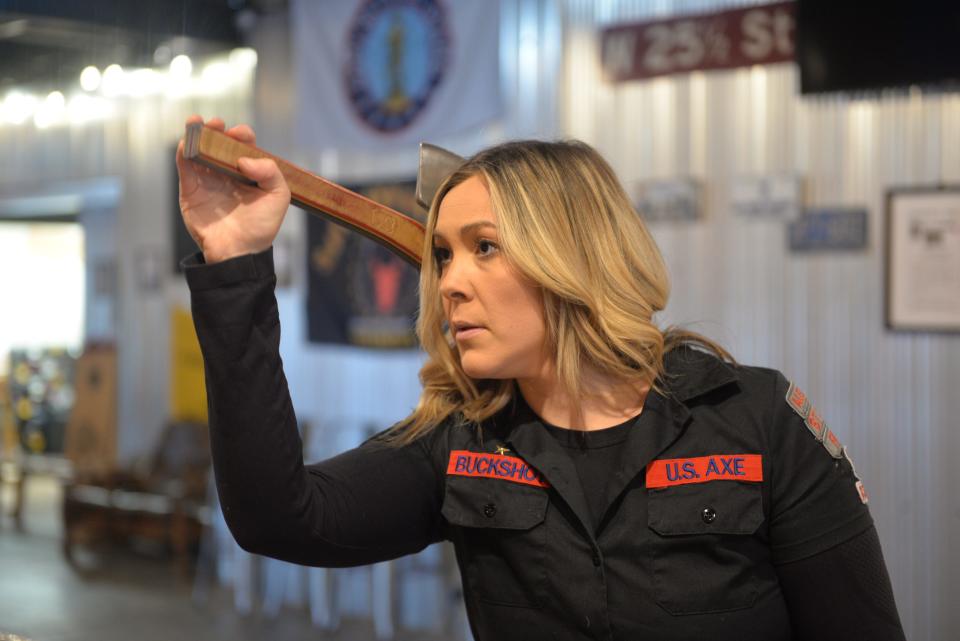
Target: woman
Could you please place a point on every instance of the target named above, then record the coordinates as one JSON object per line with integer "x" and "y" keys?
{"x": 598, "y": 478}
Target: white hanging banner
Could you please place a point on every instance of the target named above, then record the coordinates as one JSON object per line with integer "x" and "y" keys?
{"x": 372, "y": 73}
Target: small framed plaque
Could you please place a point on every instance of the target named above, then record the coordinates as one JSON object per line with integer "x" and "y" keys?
{"x": 774, "y": 196}
{"x": 923, "y": 259}
{"x": 837, "y": 229}
{"x": 675, "y": 200}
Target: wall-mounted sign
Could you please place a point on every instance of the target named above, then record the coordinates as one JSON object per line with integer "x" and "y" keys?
{"x": 836, "y": 229}
{"x": 725, "y": 40}
{"x": 677, "y": 199}
{"x": 768, "y": 196}
{"x": 923, "y": 259}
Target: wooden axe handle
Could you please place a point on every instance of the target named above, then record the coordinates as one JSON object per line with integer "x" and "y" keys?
{"x": 395, "y": 231}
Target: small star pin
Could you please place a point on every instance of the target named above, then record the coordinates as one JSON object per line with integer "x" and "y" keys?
{"x": 501, "y": 450}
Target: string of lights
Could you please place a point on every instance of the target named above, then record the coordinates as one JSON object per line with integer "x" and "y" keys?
{"x": 100, "y": 95}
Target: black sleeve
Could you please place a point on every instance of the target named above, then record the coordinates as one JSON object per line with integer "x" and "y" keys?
{"x": 369, "y": 504}
{"x": 842, "y": 594}
{"x": 817, "y": 500}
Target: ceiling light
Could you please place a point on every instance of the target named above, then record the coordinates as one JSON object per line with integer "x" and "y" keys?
{"x": 55, "y": 100}
{"x": 243, "y": 58}
{"x": 181, "y": 67}
{"x": 51, "y": 112}
{"x": 17, "y": 107}
{"x": 90, "y": 79}
{"x": 113, "y": 78}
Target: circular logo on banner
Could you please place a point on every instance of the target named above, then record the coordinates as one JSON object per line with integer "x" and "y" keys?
{"x": 398, "y": 54}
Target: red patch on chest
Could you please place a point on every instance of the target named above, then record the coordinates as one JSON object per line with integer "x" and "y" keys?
{"x": 703, "y": 469}
{"x": 494, "y": 466}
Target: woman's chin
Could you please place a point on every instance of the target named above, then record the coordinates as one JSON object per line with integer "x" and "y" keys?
{"x": 476, "y": 368}
{"x": 475, "y": 372}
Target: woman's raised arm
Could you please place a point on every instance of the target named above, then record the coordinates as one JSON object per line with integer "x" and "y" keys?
{"x": 368, "y": 504}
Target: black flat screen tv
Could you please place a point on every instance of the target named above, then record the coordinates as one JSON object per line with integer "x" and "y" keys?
{"x": 850, "y": 46}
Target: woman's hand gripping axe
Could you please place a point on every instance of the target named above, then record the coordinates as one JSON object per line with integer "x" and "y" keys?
{"x": 395, "y": 231}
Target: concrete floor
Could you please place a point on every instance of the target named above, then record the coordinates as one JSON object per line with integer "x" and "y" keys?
{"x": 129, "y": 597}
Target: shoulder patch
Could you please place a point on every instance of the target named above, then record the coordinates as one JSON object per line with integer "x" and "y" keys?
{"x": 861, "y": 490}
{"x": 815, "y": 424}
{"x": 832, "y": 443}
{"x": 800, "y": 403}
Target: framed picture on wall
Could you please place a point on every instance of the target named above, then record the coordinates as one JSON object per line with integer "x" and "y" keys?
{"x": 923, "y": 259}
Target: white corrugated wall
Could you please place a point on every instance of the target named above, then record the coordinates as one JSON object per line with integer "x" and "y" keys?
{"x": 134, "y": 148}
{"x": 891, "y": 397}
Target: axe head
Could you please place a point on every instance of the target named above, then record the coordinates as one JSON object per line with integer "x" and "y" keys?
{"x": 436, "y": 164}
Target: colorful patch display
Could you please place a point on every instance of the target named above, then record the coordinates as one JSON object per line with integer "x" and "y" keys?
{"x": 833, "y": 445}
{"x": 815, "y": 424}
{"x": 797, "y": 399}
{"x": 494, "y": 466}
{"x": 703, "y": 469}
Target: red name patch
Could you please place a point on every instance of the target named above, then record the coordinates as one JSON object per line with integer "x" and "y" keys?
{"x": 703, "y": 469}
{"x": 493, "y": 466}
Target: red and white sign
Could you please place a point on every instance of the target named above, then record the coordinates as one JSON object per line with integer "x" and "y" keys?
{"x": 737, "y": 38}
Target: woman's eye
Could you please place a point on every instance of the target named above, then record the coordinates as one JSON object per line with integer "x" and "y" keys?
{"x": 441, "y": 255}
{"x": 486, "y": 247}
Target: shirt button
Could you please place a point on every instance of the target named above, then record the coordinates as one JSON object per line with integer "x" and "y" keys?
{"x": 489, "y": 510}
{"x": 709, "y": 515}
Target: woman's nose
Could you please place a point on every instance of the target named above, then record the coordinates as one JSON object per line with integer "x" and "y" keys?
{"x": 454, "y": 280}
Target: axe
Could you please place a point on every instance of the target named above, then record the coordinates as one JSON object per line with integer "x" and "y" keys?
{"x": 397, "y": 232}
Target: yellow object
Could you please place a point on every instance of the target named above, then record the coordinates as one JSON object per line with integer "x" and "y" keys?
{"x": 36, "y": 442}
{"x": 24, "y": 409}
{"x": 188, "y": 392}
{"x": 21, "y": 373}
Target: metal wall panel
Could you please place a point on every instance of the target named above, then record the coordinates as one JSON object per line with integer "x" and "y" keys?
{"x": 891, "y": 397}
{"x": 134, "y": 149}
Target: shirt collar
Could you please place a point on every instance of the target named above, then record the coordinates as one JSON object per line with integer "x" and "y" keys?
{"x": 689, "y": 373}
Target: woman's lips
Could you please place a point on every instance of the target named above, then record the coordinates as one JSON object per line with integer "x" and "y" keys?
{"x": 468, "y": 332}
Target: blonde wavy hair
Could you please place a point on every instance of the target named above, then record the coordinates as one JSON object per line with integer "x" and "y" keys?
{"x": 565, "y": 223}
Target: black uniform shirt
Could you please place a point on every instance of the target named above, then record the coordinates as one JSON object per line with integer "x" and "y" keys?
{"x": 594, "y": 453}
{"x": 719, "y": 479}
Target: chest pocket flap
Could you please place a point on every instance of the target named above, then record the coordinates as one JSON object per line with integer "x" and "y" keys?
{"x": 721, "y": 507}
{"x": 492, "y": 503}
